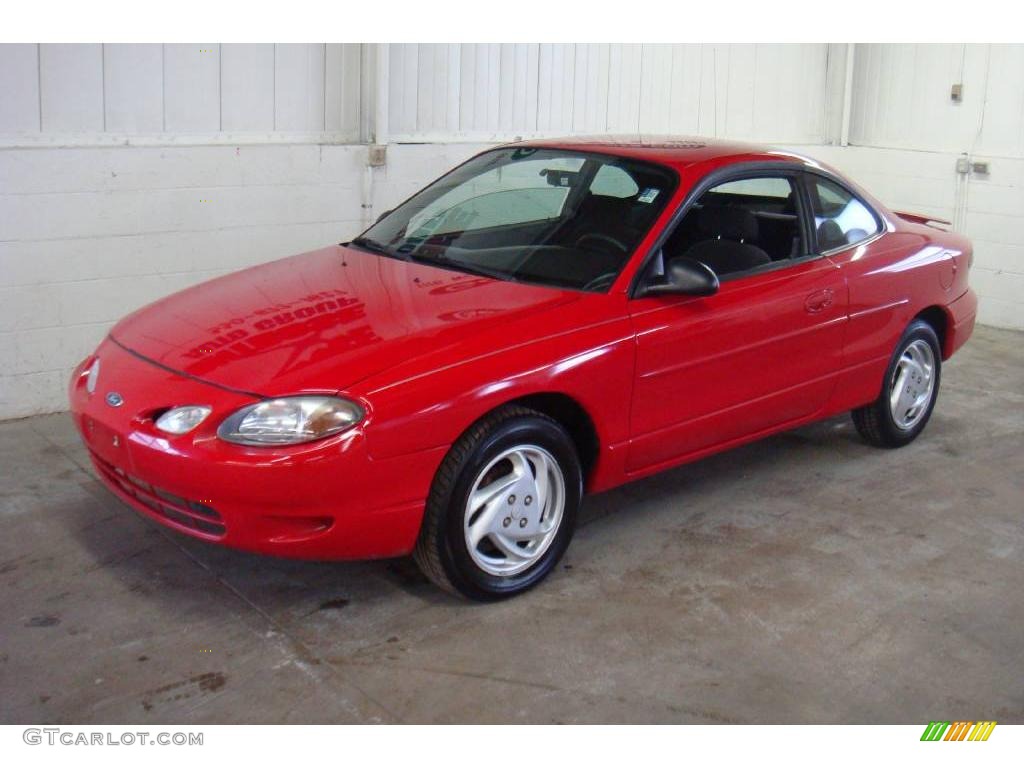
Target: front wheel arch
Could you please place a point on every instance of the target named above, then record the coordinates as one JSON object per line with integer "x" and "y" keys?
{"x": 572, "y": 416}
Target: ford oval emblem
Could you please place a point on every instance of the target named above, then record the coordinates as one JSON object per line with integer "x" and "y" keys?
{"x": 114, "y": 399}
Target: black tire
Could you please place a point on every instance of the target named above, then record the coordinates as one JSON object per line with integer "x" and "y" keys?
{"x": 875, "y": 421}
{"x": 441, "y": 550}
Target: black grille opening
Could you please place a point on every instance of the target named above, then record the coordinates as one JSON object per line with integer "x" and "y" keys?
{"x": 195, "y": 515}
{"x": 204, "y": 509}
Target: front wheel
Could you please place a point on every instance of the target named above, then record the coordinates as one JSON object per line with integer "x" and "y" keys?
{"x": 502, "y": 508}
{"x": 909, "y": 391}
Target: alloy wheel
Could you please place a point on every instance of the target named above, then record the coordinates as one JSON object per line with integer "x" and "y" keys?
{"x": 514, "y": 509}
{"x": 913, "y": 383}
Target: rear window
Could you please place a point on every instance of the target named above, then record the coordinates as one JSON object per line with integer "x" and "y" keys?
{"x": 766, "y": 186}
{"x": 613, "y": 182}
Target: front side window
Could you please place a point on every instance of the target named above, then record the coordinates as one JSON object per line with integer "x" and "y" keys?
{"x": 740, "y": 225}
{"x": 840, "y": 219}
{"x": 568, "y": 219}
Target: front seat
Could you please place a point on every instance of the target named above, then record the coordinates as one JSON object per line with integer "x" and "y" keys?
{"x": 727, "y": 248}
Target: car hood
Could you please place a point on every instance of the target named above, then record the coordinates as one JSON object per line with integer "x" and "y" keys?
{"x": 322, "y": 321}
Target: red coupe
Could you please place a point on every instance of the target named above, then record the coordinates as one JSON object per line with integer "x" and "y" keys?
{"x": 550, "y": 318}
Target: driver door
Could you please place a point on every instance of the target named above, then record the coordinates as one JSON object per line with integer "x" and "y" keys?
{"x": 762, "y": 352}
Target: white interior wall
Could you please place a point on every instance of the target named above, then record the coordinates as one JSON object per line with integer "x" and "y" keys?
{"x": 130, "y": 171}
{"x": 907, "y": 134}
{"x": 94, "y": 233}
{"x": 499, "y": 92}
{"x": 74, "y": 94}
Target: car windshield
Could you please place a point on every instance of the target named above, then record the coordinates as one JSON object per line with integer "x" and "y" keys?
{"x": 568, "y": 219}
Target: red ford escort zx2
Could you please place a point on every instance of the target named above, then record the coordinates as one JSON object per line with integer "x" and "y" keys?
{"x": 548, "y": 319}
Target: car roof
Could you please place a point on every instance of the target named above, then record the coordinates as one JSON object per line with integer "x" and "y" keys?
{"x": 677, "y": 151}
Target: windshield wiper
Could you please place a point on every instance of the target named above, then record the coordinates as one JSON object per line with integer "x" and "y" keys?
{"x": 466, "y": 266}
{"x": 374, "y": 247}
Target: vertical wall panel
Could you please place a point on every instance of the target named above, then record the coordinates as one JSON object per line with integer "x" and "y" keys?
{"x": 454, "y": 89}
{"x": 491, "y": 87}
{"x": 508, "y": 90}
{"x": 670, "y": 100}
{"x": 403, "y": 91}
{"x": 590, "y": 88}
{"x": 191, "y": 88}
{"x": 431, "y": 85}
{"x": 526, "y": 83}
{"x": 778, "y": 93}
{"x": 492, "y": 92}
{"x": 71, "y": 79}
{"x": 789, "y": 95}
{"x": 1002, "y": 131}
{"x": 247, "y": 87}
{"x": 518, "y": 78}
{"x": 684, "y": 98}
{"x": 555, "y": 87}
{"x": 133, "y": 88}
{"x": 19, "y": 86}
{"x": 720, "y": 89}
{"x": 150, "y": 89}
{"x": 468, "y": 80}
{"x": 903, "y": 95}
{"x": 707, "y": 100}
{"x": 299, "y": 87}
{"x": 779, "y": 102}
{"x": 341, "y": 88}
{"x": 814, "y": 69}
{"x": 480, "y": 81}
{"x": 740, "y": 95}
{"x": 656, "y": 89}
{"x": 625, "y": 70}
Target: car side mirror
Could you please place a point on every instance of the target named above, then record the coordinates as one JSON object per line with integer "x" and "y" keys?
{"x": 684, "y": 277}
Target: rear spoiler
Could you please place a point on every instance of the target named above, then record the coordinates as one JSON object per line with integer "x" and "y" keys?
{"x": 918, "y": 218}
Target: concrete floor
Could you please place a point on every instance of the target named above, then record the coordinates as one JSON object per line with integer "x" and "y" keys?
{"x": 806, "y": 578}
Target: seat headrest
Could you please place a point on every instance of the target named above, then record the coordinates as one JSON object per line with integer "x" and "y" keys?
{"x": 729, "y": 223}
{"x": 607, "y": 207}
{"x": 830, "y": 235}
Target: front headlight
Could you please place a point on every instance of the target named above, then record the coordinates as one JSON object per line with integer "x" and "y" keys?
{"x": 289, "y": 420}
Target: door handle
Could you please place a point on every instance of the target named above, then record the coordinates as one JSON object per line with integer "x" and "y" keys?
{"x": 819, "y": 300}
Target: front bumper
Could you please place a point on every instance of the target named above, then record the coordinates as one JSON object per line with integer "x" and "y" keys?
{"x": 325, "y": 500}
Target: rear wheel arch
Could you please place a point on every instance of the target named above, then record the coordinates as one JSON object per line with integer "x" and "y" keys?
{"x": 938, "y": 318}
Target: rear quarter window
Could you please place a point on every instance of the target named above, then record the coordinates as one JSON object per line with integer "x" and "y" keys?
{"x": 840, "y": 218}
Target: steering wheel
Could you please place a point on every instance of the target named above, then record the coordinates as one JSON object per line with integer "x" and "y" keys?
{"x": 601, "y": 281}
{"x": 606, "y": 239}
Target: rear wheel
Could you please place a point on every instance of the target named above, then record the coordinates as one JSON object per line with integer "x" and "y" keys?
{"x": 909, "y": 392}
{"x": 502, "y": 507}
